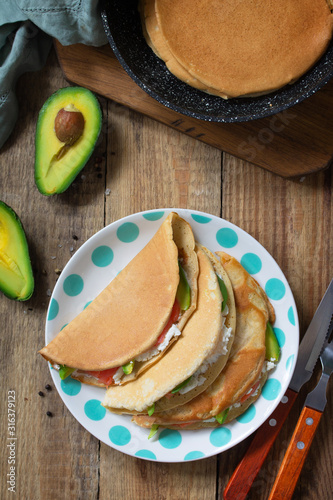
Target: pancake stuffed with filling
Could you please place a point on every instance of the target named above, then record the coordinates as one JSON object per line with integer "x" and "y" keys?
{"x": 138, "y": 315}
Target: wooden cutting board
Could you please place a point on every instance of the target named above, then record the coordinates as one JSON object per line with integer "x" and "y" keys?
{"x": 293, "y": 143}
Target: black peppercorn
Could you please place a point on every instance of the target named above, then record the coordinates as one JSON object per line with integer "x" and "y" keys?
{"x": 49, "y": 413}
{"x": 41, "y": 394}
{"x": 48, "y": 387}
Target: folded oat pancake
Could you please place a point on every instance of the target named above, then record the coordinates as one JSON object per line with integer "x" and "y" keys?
{"x": 248, "y": 47}
{"x": 130, "y": 316}
{"x": 240, "y": 382}
{"x": 198, "y": 355}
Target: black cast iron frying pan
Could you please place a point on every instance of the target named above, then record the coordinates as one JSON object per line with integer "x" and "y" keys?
{"x": 122, "y": 25}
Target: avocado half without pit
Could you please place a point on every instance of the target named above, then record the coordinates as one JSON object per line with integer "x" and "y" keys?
{"x": 16, "y": 277}
{"x": 68, "y": 127}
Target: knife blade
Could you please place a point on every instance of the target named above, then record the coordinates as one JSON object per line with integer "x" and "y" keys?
{"x": 309, "y": 350}
{"x": 303, "y": 435}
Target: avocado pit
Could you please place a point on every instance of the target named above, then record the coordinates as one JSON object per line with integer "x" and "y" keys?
{"x": 69, "y": 124}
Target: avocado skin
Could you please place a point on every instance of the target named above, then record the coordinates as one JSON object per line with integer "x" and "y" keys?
{"x": 18, "y": 252}
{"x": 56, "y": 178}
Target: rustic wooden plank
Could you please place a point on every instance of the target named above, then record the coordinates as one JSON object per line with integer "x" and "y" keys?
{"x": 151, "y": 166}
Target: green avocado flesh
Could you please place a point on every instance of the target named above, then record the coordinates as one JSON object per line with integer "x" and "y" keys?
{"x": 153, "y": 430}
{"x": 183, "y": 291}
{"x": 272, "y": 345}
{"x": 58, "y": 163}
{"x": 224, "y": 292}
{"x": 180, "y": 386}
{"x": 65, "y": 371}
{"x": 16, "y": 277}
{"x": 128, "y": 368}
{"x": 221, "y": 417}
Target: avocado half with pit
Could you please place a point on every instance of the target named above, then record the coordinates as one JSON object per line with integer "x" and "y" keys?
{"x": 16, "y": 276}
{"x": 68, "y": 127}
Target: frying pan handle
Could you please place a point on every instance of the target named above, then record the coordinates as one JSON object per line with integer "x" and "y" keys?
{"x": 247, "y": 470}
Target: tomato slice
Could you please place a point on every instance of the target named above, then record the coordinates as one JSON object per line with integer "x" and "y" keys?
{"x": 104, "y": 376}
{"x": 172, "y": 319}
{"x": 185, "y": 424}
{"x": 253, "y": 390}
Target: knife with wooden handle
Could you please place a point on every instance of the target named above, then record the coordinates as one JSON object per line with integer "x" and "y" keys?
{"x": 301, "y": 440}
{"x": 310, "y": 348}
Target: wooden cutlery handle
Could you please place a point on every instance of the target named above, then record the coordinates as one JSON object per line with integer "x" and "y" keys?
{"x": 295, "y": 456}
{"x": 247, "y": 470}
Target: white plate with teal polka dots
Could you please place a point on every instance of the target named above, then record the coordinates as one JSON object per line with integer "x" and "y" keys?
{"x": 97, "y": 262}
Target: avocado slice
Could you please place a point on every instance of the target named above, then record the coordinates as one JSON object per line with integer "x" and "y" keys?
{"x": 128, "y": 368}
{"x": 68, "y": 127}
{"x": 65, "y": 371}
{"x": 224, "y": 292}
{"x": 153, "y": 430}
{"x": 183, "y": 294}
{"x": 16, "y": 277}
{"x": 221, "y": 417}
{"x": 181, "y": 385}
{"x": 272, "y": 346}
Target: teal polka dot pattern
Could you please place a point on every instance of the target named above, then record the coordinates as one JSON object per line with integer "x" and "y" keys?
{"x": 271, "y": 389}
{"x": 146, "y": 454}
{"x": 94, "y": 409}
{"x": 194, "y": 455}
{"x": 70, "y": 386}
{"x": 251, "y": 262}
{"x": 201, "y": 219}
{"x": 290, "y": 362}
{"x": 119, "y": 435}
{"x": 102, "y": 256}
{"x": 220, "y": 436}
{"x": 227, "y": 237}
{"x": 128, "y": 232}
{"x": 63, "y": 326}
{"x": 170, "y": 439}
{"x": 291, "y": 316}
{"x": 53, "y": 310}
{"x": 87, "y": 304}
{"x": 281, "y": 338}
{"x": 73, "y": 285}
{"x": 247, "y": 416}
{"x": 153, "y": 216}
{"x": 275, "y": 289}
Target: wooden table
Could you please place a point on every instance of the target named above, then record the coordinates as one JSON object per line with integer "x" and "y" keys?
{"x": 145, "y": 165}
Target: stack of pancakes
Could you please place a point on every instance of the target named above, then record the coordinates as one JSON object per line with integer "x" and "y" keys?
{"x": 237, "y": 48}
{"x": 177, "y": 338}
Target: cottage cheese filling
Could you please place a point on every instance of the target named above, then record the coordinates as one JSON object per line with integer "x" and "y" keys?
{"x": 154, "y": 351}
{"x": 197, "y": 378}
